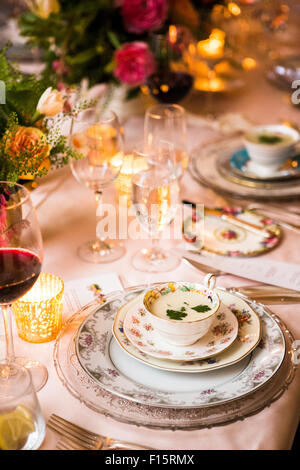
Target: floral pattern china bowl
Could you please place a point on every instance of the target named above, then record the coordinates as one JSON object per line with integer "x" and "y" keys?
{"x": 182, "y": 312}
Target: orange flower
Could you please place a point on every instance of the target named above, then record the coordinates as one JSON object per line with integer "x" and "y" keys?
{"x": 27, "y": 140}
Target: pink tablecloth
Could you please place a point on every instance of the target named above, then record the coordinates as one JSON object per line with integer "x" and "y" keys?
{"x": 67, "y": 219}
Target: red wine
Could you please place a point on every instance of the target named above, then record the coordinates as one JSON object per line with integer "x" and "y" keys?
{"x": 169, "y": 87}
{"x": 19, "y": 269}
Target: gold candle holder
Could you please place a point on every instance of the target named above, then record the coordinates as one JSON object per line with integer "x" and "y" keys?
{"x": 38, "y": 313}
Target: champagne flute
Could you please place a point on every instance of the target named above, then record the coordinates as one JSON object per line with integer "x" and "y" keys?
{"x": 167, "y": 122}
{"x": 21, "y": 255}
{"x": 100, "y": 143}
{"x": 155, "y": 201}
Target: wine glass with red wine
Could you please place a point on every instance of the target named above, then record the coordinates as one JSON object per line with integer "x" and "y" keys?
{"x": 21, "y": 255}
{"x": 167, "y": 85}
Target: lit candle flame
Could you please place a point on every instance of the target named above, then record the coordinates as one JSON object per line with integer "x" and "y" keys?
{"x": 213, "y": 47}
{"x": 172, "y": 34}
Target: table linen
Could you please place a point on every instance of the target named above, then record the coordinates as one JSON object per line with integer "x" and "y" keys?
{"x": 66, "y": 213}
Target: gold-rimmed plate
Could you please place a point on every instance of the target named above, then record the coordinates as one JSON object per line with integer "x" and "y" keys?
{"x": 215, "y": 235}
{"x": 205, "y": 168}
{"x": 143, "y": 334}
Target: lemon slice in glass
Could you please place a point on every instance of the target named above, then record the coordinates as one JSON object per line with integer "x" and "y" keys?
{"x": 15, "y": 428}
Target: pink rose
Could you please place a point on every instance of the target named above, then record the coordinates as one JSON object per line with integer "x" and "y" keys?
{"x": 134, "y": 63}
{"x": 143, "y": 15}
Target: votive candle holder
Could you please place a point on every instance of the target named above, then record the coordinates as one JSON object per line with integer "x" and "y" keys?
{"x": 38, "y": 313}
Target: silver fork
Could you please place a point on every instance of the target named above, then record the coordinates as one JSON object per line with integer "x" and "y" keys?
{"x": 65, "y": 444}
{"x": 76, "y": 437}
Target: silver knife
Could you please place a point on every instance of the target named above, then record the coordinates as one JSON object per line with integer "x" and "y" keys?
{"x": 205, "y": 268}
{"x": 263, "y": 293}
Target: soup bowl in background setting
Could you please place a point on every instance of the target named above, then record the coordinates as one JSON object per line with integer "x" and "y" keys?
{"x": 270, "y": 146}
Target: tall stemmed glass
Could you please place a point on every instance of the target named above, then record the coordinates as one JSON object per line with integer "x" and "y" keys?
{"x": 21, "y": 255}
{"x": 100, "y": 143}
{"x": 155, "y": 202}
{"x": 166, "y": 84}
{"x": 167, "y": 122}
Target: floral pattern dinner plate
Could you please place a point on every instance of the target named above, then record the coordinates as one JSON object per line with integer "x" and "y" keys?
{"x": 145, "y": 337}
{"x": 112, "y": 369}
{"x": 224, "y": 238}
{"x": 249, "y": 334}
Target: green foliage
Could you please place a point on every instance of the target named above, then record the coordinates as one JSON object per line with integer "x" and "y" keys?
{"x": 85, "y": 34}
{"x": 22, "y": 92}
{"x": 22, "y": 95}
{"x": 61, "y": 153}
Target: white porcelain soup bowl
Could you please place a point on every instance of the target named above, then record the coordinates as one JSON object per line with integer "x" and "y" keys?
{"x": 187, "y": 330}
{"x": 270, "y": 146}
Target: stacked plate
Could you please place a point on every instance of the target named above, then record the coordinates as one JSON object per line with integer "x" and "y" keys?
{"x": 140, "y": 339}
{"x": 112, "y": 359}
{"x": 225, "y": 167}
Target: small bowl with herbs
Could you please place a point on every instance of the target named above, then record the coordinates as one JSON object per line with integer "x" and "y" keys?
{"x": 270, "y": 146}
{"x": 182, "y": 312}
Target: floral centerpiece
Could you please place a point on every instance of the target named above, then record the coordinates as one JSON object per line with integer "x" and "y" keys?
{"x": 106, "y": 41}
{"x": 30, "y": 121}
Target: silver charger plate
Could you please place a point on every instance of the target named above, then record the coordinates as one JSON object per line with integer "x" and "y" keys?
{"x": 82, "y": 386}
{"x": 205, "y": 168}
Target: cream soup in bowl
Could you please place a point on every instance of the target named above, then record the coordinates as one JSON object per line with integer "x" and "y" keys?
{"x": 269, "y": 147}
{"x": 182, "y": 312}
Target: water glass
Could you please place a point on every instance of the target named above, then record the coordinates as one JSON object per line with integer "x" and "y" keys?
{"x": 167, "y": 122}
{"x": 155, "y": 201}
{"x": 22, "y": 426}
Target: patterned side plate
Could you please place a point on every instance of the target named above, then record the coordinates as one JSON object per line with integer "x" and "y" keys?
{"x": 223, "y": 238}
{"x": 249, "y": 334}
{"x": 239, "y": 163}
{"x": 109, "y": 367}
{"x": 145, "y": 337}
{"x": 205, "y": 168}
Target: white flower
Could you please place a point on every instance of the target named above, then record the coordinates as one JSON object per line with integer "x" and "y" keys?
{"x": 50, "y": 103}
{"x": 43, "y": 8}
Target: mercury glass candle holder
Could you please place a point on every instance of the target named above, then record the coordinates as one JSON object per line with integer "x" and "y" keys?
{"x": 38, "y": 313}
